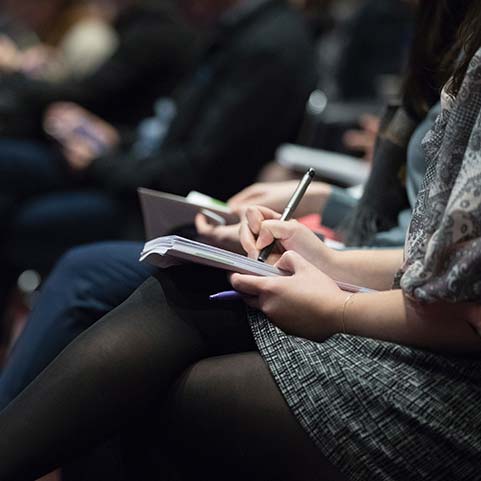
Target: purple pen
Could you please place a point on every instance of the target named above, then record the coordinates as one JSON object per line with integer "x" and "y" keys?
{"x": 226, "y": 296}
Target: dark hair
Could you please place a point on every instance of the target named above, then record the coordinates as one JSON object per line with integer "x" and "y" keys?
{"x": 468, "y": 43}
{"x": 439, "y": 34}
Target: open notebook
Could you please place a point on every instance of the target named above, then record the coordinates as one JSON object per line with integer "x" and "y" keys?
{"x": 170, "y": 250}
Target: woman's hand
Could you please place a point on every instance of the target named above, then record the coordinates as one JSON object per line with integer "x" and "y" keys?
{"x": 36, "y": 60}
{"x": 223, "y": 236}
{"x": 364, "y": 139}
{"x": 306, "y": 304}
{"x": 276, "y": 195}
{"x": 261, "y": 226}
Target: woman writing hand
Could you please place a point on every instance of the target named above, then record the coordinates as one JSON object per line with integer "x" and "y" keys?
{"x": 309, "y": 304}
{"x": 261, "y": 226}
{"x": 305, "y": 303}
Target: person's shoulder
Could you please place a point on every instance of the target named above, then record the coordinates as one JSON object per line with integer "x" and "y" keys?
{"x": 146, "y": 26}
{"x": 276, "y": 28}
{"x": 148, "y": 16}
{"x": 279, "y": 18}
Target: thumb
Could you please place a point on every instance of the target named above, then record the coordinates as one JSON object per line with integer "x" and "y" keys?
{"x": 292, "y": 262}
{"x": 272, "y": 230}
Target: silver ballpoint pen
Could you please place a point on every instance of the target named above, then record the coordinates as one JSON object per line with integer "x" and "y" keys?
{"x": 290, "y": 208}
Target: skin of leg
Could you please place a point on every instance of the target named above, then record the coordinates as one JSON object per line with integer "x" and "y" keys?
{"x": 87, "y": 283}
{"x": 120, "y": 368}
{"x": 230, "y": 421}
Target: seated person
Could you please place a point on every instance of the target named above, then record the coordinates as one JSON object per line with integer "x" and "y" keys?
{"x": 311, "y": 382}
{"x": 154, "y": 50}
{"x": 70, "y": 39}
{"x": 91, "y": 281}
{"x": 226, "y": 123}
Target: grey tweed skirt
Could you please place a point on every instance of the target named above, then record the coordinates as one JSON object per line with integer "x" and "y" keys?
{"x": 379, "y": 411}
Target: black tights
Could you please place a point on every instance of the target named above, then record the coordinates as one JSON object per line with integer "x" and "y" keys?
{"x": 222, "y": 418}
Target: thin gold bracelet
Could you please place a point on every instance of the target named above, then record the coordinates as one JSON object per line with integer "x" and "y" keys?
{"x": 344, "y": 310}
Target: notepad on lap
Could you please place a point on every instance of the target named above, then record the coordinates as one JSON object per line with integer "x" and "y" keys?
{"x": 170, "y": 250}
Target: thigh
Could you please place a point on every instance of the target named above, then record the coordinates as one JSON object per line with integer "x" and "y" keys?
{"x": 29, "y": 168}
{"x": 230, "y": 421}
{"x": 59, "y": 221}
{"x": 223, "y": 326}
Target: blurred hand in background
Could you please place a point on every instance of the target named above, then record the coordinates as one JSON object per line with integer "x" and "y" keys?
{"x": 82, "y": 135}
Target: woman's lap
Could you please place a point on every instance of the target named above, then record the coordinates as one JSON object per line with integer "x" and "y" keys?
{"x": 126, "y": 364}
{"x": 380, "y": 405}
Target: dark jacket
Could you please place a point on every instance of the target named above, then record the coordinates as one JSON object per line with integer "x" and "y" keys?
{"x": 155, "y": 52}
{"x": 247, "y": 96}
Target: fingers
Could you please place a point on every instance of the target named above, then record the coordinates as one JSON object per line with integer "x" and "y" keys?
{"x": 272, "y": 230}
{"x": 250, "y": 227}
{"x": 202, "y": 225}
{"x": 370, "y": 123}
{"x": 78, "y": 153}
{"x": 257, "y": 215}
{"x": 357, "y": 140}
{"x": 248, "y": 240}
{"x": 250, "y": 285}
{"x": 245, "y": 196}
{"x": 61, "y": 119}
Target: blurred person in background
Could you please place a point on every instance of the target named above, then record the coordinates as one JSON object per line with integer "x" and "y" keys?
{"x": 152, "y": 50}
{"x": 376, "y": 47}
{"x": 61, "y": 38}
{"x": 361, "y": 63}
{"x": 362, "y": 53}
{"x": 246, "y": 96}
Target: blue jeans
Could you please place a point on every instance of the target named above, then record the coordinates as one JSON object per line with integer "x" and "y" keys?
{"x": 86, "y": 284}
{"x": 43, "y": 212}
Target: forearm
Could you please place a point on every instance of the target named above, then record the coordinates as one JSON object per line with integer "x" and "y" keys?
{"x": 390, "y": 316}
{"x": 371, "y": 268}
{"x": 123, "y": 171}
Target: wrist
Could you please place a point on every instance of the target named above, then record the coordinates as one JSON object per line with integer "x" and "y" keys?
{"x": 344, "y": 306}
{"x": 334, "y": 313}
